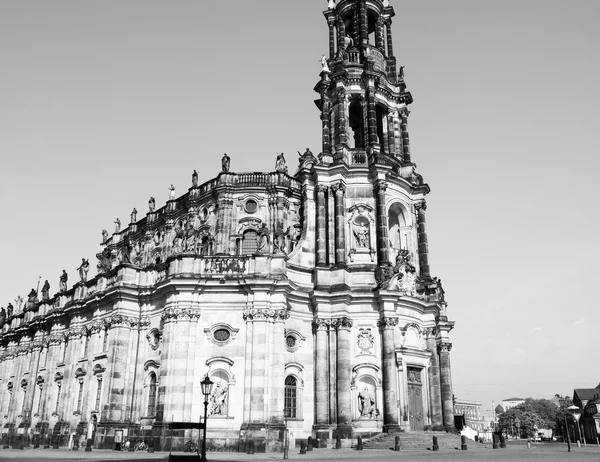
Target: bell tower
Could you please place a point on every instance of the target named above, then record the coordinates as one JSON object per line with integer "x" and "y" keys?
{"x": 364, "y": 101}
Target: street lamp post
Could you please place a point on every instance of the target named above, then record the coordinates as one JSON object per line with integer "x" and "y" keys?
{"x": 206, "y": 385}
{"x": 518, "y": 425}
{"x": 577, "y": 415}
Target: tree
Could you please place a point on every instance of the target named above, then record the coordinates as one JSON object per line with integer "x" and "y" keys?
{"x": 546, "y": 409}
{"x": 529, "y": 420}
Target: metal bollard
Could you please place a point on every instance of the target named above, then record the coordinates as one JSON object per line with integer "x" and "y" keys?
{"x": 309, "y": 443}
{"x": 436, "y": 446}
{"x": 250, "y": 448}
{"x": 397, "y": 443}
{"x": 359, "y": 443}
{"x": 338, "y": 442}
{"x": 463, "y": 443}
{"x": 494, "y": 441}
{"x": 502, "y": 442}
{"x": 302, "y": 447}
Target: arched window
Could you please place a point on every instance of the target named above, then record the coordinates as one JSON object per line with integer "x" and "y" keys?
{"x": 249, "y": 242}
{"x": 382, "y": 128}
{"x": 290, "y": 405}
{"x": 152, "y": 395}
{"x": 398, "y": 231}
{"x": 357, "y": 125}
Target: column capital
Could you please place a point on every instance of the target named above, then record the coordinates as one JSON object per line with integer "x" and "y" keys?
{"x": 321, "y": 324}
{"x": 339, "y": 188}
{"x": 320, "y": 189}
{"x": 404, "y": 113}
{"x": 380, "y": 186}
{"x": 421, "y": 206}
{"x": 342, "y": 323}
{"x": 265, "y": 314}
{"x": 387, "y": 323}
{"x": 430, "y": 332}
{"x": 444, "y": 347}
{"x": 175, "y": 314}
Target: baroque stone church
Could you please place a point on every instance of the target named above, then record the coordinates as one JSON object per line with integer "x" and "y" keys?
{"x": 304, "y": 294}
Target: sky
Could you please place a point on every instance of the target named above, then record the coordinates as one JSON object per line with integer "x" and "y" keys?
{"x": 104, "y": 104}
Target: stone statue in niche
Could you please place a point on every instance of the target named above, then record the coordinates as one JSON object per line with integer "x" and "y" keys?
{"x": 361, "y": 234}
{"x": 225, "y": 162}
{"x": 218, "y": 398}
{"x": 366, "y": 403}
{"x": 365, "y": 341}
{"x": 280, "y": 165}
{"x": 279, "y": 240}
{"x": 105, "y": 263}
{"x": 62, "y": 283}
{"x": 151, "y": 204}
{"x": 83, "y": 269}
{"x": 263, "y": 239}
{"x": 293, "y": 237}
{"x": 190, "y": 238}
{"x": 46, "y": 290}
{"x": 126, "y": 251}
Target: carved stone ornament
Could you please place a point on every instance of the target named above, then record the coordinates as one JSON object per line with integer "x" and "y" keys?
{"x": 154, "y": 337}
{"x": 444, "y": 347}
{"x": 401, "y": 277}
{"x": 321, "y": 324}
{"x": 365, "y": 340}
{"x": 342, "y": 323}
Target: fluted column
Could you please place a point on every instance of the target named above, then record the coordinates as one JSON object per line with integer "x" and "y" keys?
{"x": 405, "y": 141}
{"x": 372, "y": 118}
{"x": 339, "y": 190}
{"x": 344, "y": 372}
{"x": 321, "y": 233}
{"x": 388, "y": 355}
{"x": 382, "y": 223}
{"x": 321, "y": 327}
{"x": 398, "y": 146}
{"x": 420, "y": 208}
{"x": 435, "y": 392}
{"x": 446, "y": 384}
{"x": 341, "y": 36}
{"x": 326, "y": 121}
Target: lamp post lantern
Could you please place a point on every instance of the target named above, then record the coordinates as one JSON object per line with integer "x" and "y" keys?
{"x": 206, "y": 385}
{"x": 576, "y": 416}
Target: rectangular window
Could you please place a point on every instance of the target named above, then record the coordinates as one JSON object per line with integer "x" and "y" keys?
{"x": 249, "y": 243}
{"x": 80, "y": 396}
{"x": 98, "y": 393}
{"x": 290, "y": 402}
{"x": 57, "y": 397}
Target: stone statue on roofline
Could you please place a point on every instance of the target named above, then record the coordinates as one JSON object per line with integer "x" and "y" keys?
{"x": 324, "y": 64}
{"x": 133, "y": 215}
{"x": 46, "y": 290}
{"x": 104, "y": 236}
{"x": 331, "y": 5}
{"x": 64, "y": 277}
{"x": 32, "y": 298}
{"x": 2, "y": 316}
{"x": 225, "y": 162}
{"x": 280, "y": 165}
{"x": 171, "y": 192}
{"x": 195, "y": 179}
{"x": 9, "y": 310}
{"x": 151, "y": 204}
{"x": 83, "y": 269}
{"x": 117, "y": 226}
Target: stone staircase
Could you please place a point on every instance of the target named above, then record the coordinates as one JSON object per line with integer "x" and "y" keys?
{"x": 413, "y": 440}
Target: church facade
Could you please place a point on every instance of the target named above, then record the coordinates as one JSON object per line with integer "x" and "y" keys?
{"x": 305, "y": 294}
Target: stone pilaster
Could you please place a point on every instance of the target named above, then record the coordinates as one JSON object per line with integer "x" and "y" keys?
{"x": 267, "y": 378}
{"x": 341, "y": 125}
{"x": 435, "y": 392}
{"x": 446, "y": 384}
{"x": 379, "y": 40}
{"x": 382, "y": 223}
{"x": 117, "y": 346}
{"x": 374, "y": 141}
{"x": 321, "y": 231}
{"x": 344, "y": 377}
{"x": 405, "y": 141}
{"x": 321, "y": 328}
{"x": 363, "y": 21}
{"x": 388, "y": 356}
{"x": 422, "y": 238}
{"x": 339, "y": 191}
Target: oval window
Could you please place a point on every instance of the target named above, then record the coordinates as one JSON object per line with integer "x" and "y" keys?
{"x": 221, "y": 335}
{"x": 251, "y": 206}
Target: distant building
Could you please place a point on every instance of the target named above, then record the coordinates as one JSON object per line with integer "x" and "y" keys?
{"x": 511, "y": 402}
{"x": 581, "y": 396}
{"x": 471, "y": 410}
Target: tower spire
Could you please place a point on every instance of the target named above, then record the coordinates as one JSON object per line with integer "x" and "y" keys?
{"x": 363, "y": 99}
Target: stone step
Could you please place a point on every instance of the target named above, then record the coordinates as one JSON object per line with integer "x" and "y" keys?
{"x": 413, "y": 440}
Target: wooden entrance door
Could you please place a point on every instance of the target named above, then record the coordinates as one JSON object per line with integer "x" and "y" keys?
{"x": 415, "y": 399}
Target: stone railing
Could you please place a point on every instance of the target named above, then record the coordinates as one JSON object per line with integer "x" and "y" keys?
{"x": 358, "y": 157}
